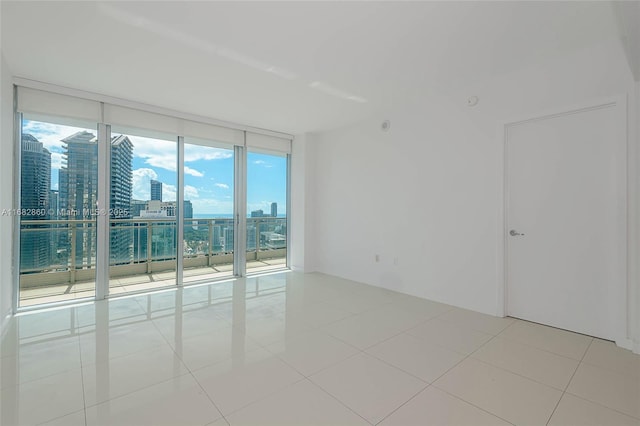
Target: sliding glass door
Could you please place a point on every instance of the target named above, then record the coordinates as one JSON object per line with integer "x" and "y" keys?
{"x": 266, "y": 212}
{"x": 142, "y": 211}
{"x": 116, "y": 199}
{"x": 209, "y": 224}
{"x": 57, "y": 212}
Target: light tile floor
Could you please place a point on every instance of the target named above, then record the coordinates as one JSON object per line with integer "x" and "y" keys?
{"x": 294, "y": 349}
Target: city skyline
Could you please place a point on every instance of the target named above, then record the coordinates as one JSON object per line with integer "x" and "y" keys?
{"x": 208, "y": 171}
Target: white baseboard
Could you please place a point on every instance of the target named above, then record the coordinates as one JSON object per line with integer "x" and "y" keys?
{"x": 629, "y": 344}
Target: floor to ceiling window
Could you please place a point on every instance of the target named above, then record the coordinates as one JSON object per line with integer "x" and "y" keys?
{"x": 208, "y": 210}
{"x": 266, "y": 211}
{"x": 58, "y": 201}
{"x": 115, "y": 199}
{"x": 142, "y": 212}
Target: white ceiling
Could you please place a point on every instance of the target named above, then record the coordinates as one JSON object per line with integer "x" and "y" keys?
{"x": 288, "y": 66}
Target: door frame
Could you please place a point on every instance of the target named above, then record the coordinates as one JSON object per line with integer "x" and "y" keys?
{"x": 620, "y": 309}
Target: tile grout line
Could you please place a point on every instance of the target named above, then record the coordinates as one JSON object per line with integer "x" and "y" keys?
{"x": 569, "y": 382}
{"x": 402, "y": 331}
{"x": 460, "y": 362}
{"x": 136, "y": 390}
{"x": 404, "y": 403}
{"x": 84, "y": 398}
{"x": 360, "y": 352}
{"x": 466, "y": 358}
{"x": 599, "y": 404}
{"x": 317, "y": 386}
{"x": 84, "y": 403}
{"x": 535, "y": 347}
{"x": 190, "y": 372}
{"x": 529, "y": 346}
{"x": 470, "y": 356}
{"x": 208, "y": 396}
{"x": 405, "y": 331}
{"x": 270, "y": 394}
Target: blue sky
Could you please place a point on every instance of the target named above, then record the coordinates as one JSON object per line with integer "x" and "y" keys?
{"x": 208, "y": 171}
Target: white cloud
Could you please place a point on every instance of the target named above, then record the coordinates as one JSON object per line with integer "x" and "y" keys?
{"x": 56, "y": 160}
{"x": 265, "y": 206}
{"x": 190, "y": 192}
{"x": 197, "y": 152}
{"x": 263, "y": 164}
{"x": 222, "y": 185}
{"x": 141, "y": 187}
{"x": 51, "y": 136}
{"x": 156, "y": 153}
{"x": 169, "y": 192}
{"x": 192, "y": 172}
{"x": 163, "y": 154}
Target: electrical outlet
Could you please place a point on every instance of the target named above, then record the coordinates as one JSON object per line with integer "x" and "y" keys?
{"x": 377, "y": 258}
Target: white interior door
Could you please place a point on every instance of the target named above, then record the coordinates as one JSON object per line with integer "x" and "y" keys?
{"x": 565, "y": 196}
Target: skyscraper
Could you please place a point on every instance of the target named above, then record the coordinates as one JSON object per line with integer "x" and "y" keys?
{"x": 188, "y": 209}
{"x": 274, "y": 209}
{"x": 79, "y": 193}
{"x": 137, "y": 206}
{"x": 121, "y": 233}
{"x": 35, "y": 240}
{"x": 156, "y": 190}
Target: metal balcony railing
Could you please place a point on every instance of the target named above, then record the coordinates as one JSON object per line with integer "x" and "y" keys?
{"x": 64, "y": 251}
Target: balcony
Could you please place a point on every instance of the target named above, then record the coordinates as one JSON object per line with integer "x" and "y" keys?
{"x": 142, "y": 254}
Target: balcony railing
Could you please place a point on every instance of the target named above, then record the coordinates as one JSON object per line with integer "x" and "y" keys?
{"x": 64, "y": 251}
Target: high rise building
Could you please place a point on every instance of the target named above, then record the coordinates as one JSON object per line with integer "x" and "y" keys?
{"x": 188, "y": 209}
{"x": 156, "y": 190}
{"x": 121, "y": 232}
{"x": 257, "y": 213}
{"x": 137, "y": 206}
{"x": 218, "y": 238}
{"x": 78, "y": 194}
{"x": 228, "y": 239}
{"x": 274, "y": 209}
{"x": 251, "y": 236}
{"x": 54, "y": 204}
{"x": 35, "y": 240}
{"x": 78, "y": 186}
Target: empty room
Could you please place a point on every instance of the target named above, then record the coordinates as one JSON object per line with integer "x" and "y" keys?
{"x": 333, "y": 213}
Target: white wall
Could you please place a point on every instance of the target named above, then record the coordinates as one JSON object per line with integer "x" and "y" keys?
{"x": 302, "y": 219}
{"x": 425, "y": 196}
{"x": 6, "y": 189}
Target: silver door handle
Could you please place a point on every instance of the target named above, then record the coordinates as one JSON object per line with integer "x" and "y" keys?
{"x": 515, "y": 233}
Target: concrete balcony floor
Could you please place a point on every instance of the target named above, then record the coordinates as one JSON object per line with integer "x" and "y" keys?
{"x": 141, "y": 282}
